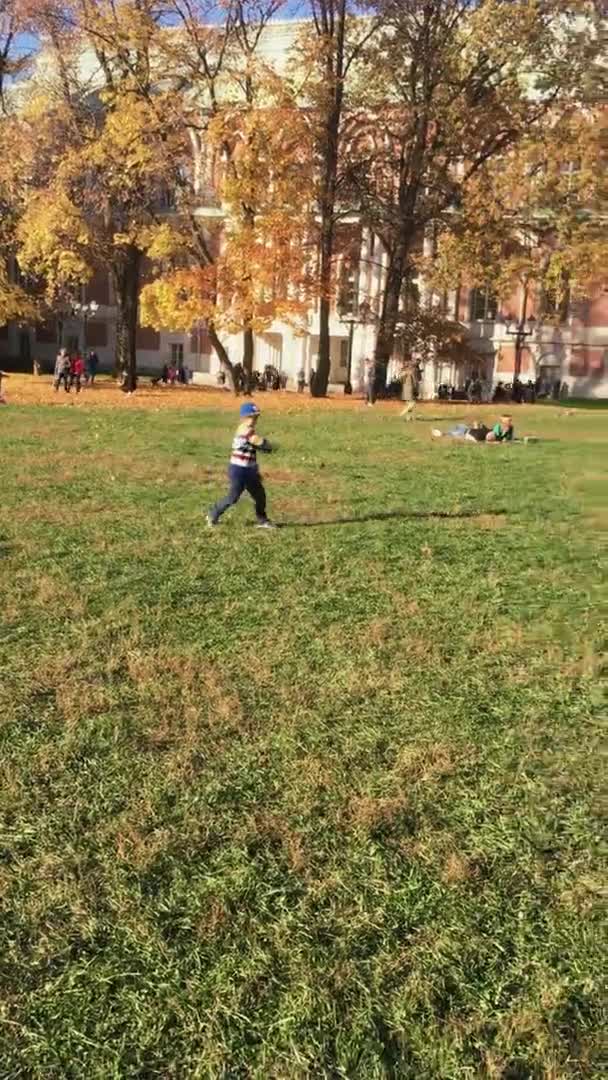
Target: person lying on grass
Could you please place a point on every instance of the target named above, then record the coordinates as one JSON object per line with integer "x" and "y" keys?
{"x": 243, "y": 472}
{"x": 502, "y": 431}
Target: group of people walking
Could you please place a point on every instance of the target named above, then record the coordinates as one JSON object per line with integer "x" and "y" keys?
{"x": 71, "y": 370}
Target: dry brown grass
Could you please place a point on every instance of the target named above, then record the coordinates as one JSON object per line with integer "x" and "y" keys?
{"x": 29, "y": 390}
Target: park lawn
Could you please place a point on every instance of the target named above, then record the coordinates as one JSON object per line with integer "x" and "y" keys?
{"x": 323, "y": 802}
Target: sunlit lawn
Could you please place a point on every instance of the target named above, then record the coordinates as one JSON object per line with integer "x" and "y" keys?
{"x": 315, "y": 803}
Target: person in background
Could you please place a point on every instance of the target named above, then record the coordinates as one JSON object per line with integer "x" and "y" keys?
{"x": 408, "y": 392}
{"x": 171, "y": 374}
{"x": 238, "y": 375}
{"x": 92, "y": 365}
{"x": 62, "y": 371}
{"x": 3, "y": 375}
{"x": 76, "y": 371}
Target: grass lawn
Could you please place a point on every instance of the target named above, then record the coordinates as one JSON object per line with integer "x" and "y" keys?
{"x": 317, "y": 803}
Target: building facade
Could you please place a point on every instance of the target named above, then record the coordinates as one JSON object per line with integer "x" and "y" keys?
{"x": 569, "y": 348}
{"x": 572, "y": 351}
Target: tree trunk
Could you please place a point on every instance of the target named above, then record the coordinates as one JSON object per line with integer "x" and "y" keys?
{"x": 221, "y": 352}
{"x": 318, "y": 388}
{"x": 385, "y": 341}
{"x": 126, "y": 274}
{"x": 333, "y": 26}
{"x": 248, "y": 348}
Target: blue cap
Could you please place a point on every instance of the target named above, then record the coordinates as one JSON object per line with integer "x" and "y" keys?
{"x": 249, "y": 409}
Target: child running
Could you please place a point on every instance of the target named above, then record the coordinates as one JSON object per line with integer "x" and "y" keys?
{"x": 243, "y": 472}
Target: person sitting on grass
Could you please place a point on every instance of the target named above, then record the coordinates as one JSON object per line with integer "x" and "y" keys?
{"x": 503, "y": 431}
{"x": 475, "y": 432}
{"x": 243, "y": 472}
{"x": 478, "y": 432}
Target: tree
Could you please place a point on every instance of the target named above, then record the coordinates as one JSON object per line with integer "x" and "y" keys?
{"x": 259, "y": 273}
{"x": 452, "y": 85}
{"x": 329, "y": 50}
{"x": 535, "y": 221}
{"x": 234, "y": 255}
{"x": 88, "y": 158}
{"x": 15, "y": 304}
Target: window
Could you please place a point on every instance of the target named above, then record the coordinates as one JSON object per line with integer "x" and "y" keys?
{"x": 555, "y": 303}
{"x": 410, "y": 293}
{"x": 177, "y": 354}
{"x": 484, "y": 305}
{"x": 348, "y": 294}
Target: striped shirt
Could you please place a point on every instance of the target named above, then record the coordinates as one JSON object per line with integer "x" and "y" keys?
{"x": 245, "y": 445}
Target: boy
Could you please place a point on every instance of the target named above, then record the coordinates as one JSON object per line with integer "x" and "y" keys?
{"x": 243, "y": 472}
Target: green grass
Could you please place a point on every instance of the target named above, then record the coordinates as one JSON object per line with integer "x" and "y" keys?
{"x": 318, "y": 803}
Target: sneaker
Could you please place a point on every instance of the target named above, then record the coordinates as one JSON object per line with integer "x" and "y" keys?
{"x": 436, "y": 433}
{"x": 211, "y": 524}
{"x": 266, "y": 524}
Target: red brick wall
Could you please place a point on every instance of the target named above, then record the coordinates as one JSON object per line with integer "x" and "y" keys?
{"x": 506, "y": 360}
{"x": 597, "y": 309}
{"x": 586, "y": 360}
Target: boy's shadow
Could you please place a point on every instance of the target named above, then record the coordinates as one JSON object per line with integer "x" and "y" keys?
{"x": 388, "y": 515}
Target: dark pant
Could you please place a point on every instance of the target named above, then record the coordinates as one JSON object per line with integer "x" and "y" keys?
{"x": 63, "y": 377}
{"x": 242, "y": 479}
{"x": 371, "y": 392}
{"x": 75, "y": 381}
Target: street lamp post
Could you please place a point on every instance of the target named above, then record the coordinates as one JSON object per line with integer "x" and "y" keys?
{"x": 85, "y": 311}
{"x": 352, "y": 319}
{"x": 521, "y": 331}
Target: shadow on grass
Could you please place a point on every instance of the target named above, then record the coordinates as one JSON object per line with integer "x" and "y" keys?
{"x": 391, "y": 515}
{"x": 440, "y": 419}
